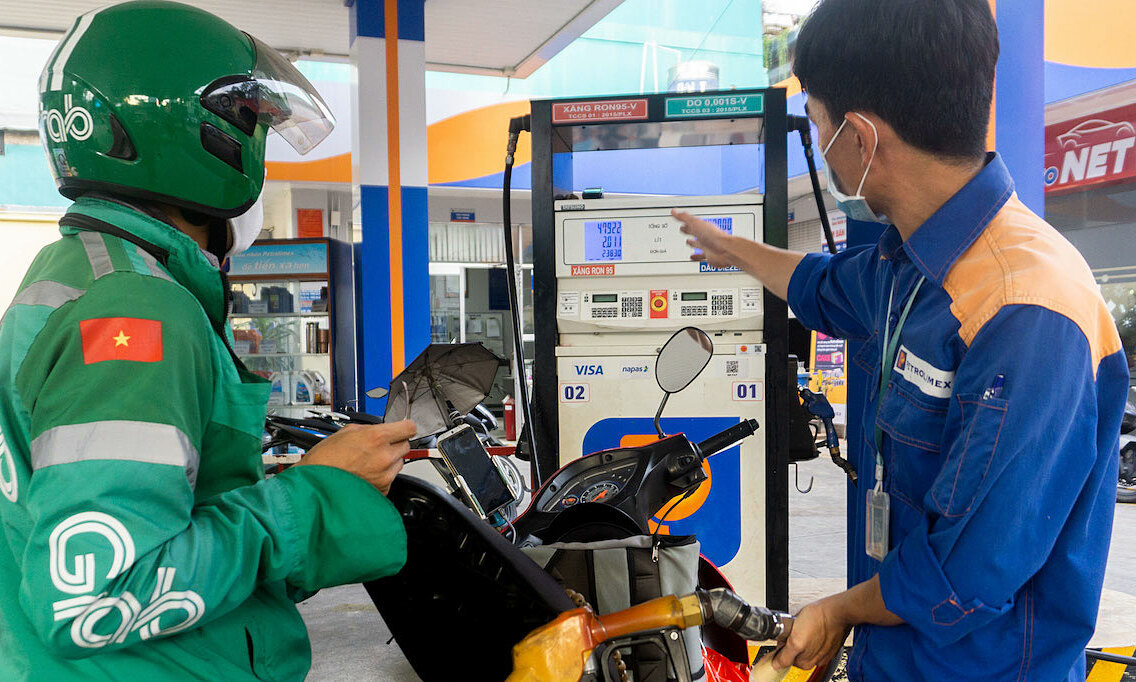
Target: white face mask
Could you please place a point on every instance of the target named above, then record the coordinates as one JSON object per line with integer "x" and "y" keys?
{"x": 855, "y": 207}
{"x": 247, "y": 226}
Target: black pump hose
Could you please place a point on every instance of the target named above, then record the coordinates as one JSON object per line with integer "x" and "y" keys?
{"x": 801, "y": 125}
{"x": 516, "y": 125}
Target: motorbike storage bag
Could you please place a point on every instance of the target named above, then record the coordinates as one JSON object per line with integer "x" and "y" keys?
{"x": 613, "y": 575}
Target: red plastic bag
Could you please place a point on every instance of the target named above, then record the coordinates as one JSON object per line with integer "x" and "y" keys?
{"x": 721, "y": 669}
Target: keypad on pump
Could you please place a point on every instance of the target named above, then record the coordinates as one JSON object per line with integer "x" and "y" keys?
{"x": 722, "y": 305}
{"x": 633, "y": 306}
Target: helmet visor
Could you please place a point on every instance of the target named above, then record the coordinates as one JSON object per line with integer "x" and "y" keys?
{"x": 277, "y": 95}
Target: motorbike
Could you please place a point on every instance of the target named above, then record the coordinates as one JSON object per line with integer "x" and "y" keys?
{"x": 474, "y": 579}
{"x": 1126, "y": 485}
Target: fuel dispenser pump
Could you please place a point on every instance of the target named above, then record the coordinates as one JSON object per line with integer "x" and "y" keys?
{"x": 613, "y": 280}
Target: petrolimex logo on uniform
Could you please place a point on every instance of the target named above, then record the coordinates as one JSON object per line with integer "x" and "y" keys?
{"x": 927, "y": 378}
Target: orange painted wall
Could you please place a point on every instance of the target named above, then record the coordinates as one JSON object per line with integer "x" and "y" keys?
{"x": 472, "y": 145}
{"x": 462, "y": 147}
{"x": 332, "y": 169}
{"x": 1097, "y": 34}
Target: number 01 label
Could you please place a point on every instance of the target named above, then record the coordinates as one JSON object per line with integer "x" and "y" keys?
{"x": 749, "y": 390}
{"x": 575, "y": 393}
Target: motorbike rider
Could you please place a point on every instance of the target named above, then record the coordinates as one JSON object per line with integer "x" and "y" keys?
{"x": 140, "y": 537}
{"x": 979, "y": 528}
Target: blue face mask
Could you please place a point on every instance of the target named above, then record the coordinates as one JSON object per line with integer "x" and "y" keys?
{"x": 855, "y": 207}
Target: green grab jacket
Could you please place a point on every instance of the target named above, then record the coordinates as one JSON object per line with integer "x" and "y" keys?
{"x": 139, "y": 538}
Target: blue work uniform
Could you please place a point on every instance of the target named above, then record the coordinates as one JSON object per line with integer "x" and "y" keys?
{"x": 999, "y": 437}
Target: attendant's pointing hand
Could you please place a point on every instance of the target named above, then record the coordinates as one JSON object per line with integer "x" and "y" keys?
{"x": 715, "y": 244}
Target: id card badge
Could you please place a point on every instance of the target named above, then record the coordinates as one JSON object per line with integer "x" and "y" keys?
{"x": 879, "y": 512}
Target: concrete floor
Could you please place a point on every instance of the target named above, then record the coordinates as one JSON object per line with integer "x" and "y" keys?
{"x": 349, "y": 639}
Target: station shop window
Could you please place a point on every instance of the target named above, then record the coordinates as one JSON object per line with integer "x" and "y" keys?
{"x": 1101, "y": 222}
{"x": 468, "y": 292}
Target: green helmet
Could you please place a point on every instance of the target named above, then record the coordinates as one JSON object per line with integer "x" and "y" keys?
{"x": 160, "y": 100}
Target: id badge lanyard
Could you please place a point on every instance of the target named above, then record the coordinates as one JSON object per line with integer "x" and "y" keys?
{"x": 879, "y": 503}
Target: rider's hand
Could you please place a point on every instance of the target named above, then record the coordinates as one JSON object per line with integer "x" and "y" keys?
{"x": 818, "y": 633}
{"x": 716, "y": 245}
{"x": 373, "y": 452}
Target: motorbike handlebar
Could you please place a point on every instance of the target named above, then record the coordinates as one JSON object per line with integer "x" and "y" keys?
{"x": 721, "y": 441}
{"x": 301, "y": 437}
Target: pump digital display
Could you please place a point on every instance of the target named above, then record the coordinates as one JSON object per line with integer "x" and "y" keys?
{"x": 605, "y": 298}
{"x": 603, "y": 241}
{"x": 694, "y": 295}
{"x": 724, "y": 224}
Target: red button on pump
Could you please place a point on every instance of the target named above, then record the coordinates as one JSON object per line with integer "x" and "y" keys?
{"x": 658, "y": 304}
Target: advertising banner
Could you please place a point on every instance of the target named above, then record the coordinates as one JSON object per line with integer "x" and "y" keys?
{"x": 280, "y": 259}
{"x": 1090, "y": 150}
{"x": 828, "y": 371}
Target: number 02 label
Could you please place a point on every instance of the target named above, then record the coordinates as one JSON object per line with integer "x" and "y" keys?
{"x": 575, "y": 393}
{"x": 749, "y": 390}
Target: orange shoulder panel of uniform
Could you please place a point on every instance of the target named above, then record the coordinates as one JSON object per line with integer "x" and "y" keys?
{"x": 1021, "y": 259}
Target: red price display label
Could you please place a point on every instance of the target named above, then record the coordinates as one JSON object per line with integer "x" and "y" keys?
{"x": 602, "y": 110}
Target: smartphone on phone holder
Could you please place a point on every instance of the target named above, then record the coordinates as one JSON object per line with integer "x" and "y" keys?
{"x": 470, "y": 470}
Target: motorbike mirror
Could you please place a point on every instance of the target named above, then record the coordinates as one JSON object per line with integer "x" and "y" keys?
{"x": 377, "y": 392}
{"x": 682, "y": 358}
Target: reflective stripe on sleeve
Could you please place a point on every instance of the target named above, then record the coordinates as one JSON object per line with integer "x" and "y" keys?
{"x": 131, "y": 441}
{"x": 96, "y": 253}
{"x": 45, "y": 292}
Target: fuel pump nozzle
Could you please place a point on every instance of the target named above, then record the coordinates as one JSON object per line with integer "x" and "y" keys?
{"x": 818, "y": 406}
{"x": 517, "y": 125}
{"x": 557, "y": 652}
{"x": 752, "y": 623}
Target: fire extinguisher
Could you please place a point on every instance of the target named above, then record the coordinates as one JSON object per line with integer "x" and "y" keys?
{"x": 510, "y": 418}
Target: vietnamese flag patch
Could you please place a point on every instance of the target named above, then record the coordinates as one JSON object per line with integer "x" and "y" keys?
{"x": 121, "y": 338}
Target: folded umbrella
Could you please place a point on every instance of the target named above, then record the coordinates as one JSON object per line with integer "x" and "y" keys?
{"x": 444, "y": 381}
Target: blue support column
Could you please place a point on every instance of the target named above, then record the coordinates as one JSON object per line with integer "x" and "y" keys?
{"x": 1019, "y": 96}
{"x": 389, "y": 174}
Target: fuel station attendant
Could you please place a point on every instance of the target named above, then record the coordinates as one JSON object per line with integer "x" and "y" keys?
{"x": 139, "y": 539}
{"x": 998, "y": 382}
